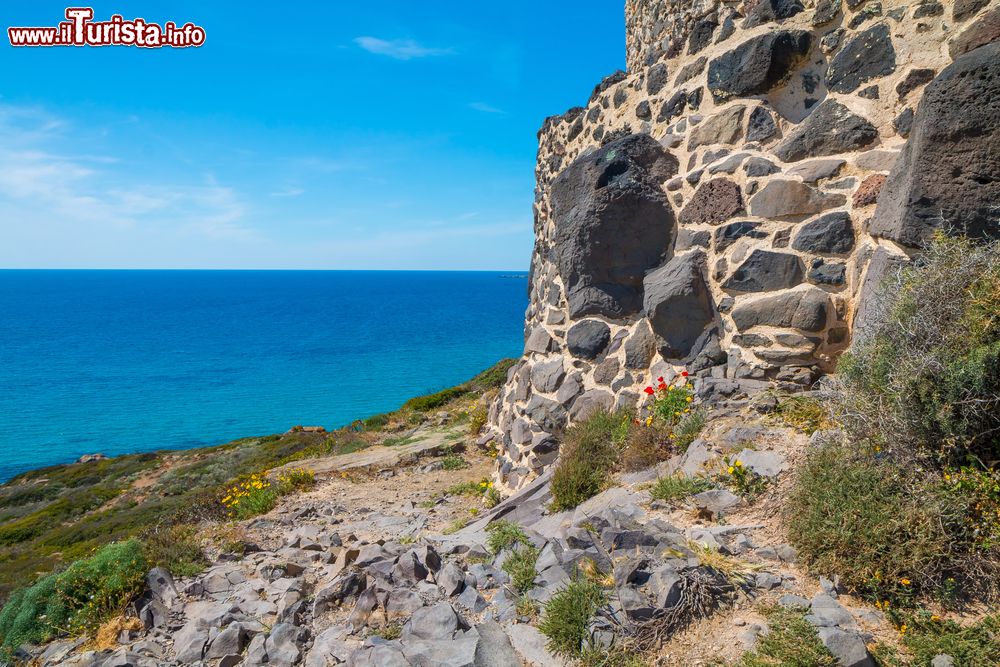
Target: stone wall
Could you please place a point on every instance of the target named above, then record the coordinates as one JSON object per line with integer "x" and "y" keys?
{"x": 711, "y": 209}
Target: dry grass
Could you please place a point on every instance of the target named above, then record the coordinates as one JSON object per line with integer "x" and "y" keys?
{"x": 106, "y": 637}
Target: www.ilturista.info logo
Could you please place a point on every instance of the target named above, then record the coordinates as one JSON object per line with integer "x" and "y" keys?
{"x": 81, "y": 30}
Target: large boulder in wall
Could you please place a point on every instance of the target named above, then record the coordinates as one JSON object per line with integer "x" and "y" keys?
{"x": 613, "y": 224}
{"x": 948, "y": 175}
{"x": 678, "y": 304}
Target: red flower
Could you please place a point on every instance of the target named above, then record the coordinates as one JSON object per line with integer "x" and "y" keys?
{"x": 684, "y": 373}
{"x": 649, "y": 390}
{"x": 659, "y": 379}
{"x": 662, "y": 386}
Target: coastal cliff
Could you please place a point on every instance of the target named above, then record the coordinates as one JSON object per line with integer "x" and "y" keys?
{"x": 729, "y": 204}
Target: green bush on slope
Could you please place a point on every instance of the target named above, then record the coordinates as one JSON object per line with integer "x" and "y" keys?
{"x": 908, "y": 501}
{"x": 88, "y": 592}
{"x": 927, "y": 374}
{"x": 589, "y": 452}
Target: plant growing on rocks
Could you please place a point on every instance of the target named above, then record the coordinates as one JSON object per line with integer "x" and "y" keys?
{"x": 791, "y": 642}
{"x": 590, "y": 452}
{"x": 249, "y": 498}
{"x": 670, "y": 401}
{"x": 925, "y": 375}
{"x": 742, "y": 479}
{"x": 88, "y": 592}
{"x": 567, "y": 613}
{"x": 805, "y": 413}
{"x": 175, "y": 547}
{"x": 678, "y": 487}
{"x": 504, "y": 534}
{"x": 927, "y": 636}
{"x": 887, "y": 530}
{"x": 520, "y": 565}
{"x": 295, "y": 479}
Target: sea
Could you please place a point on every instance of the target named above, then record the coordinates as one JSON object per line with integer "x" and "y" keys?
{"x": 117, "y": 362}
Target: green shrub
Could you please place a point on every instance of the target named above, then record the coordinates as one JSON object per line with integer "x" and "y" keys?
{"x": 456, "y": 525}
{"x": 88, "y": 592}
{"x": 805, "y": 413}
{"x": 670, "y": 401}
{"x": 493, "y": 377}
{"x": 791, "y": 642}
{"x": 176, "y": 548}
{"x": 589, "y": 453}
{"x": 888, "y": 530}
{"x": 567, "y": 614}
{"x": 454, "y": 462}
{"x": 435, "y": 400}
{"x": 689, "y": 428}
{"x": 678, "y": 487}
{"x": 295, "y": 479}
{"x": 925, "y": 376}
{"x": 504, "y": 534}
{"x": 520, "y": 565}
{"x": 255, "y": 495}
{"x": 478, "y": 418}
{"x": 376, "y": 422}
{"x": 645, "y": 447}
{"x": 976, "y": 645}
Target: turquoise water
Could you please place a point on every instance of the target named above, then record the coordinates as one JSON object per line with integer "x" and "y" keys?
{"x": 127, "y": 361}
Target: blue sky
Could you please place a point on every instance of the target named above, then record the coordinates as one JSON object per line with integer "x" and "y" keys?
{"x": 361, "y": 135}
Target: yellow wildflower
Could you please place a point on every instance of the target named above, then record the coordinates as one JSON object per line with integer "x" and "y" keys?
{"x": 904, "y": 581}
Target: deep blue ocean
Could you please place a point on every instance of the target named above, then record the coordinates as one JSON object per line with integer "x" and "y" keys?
{"x": 128, "y": 361}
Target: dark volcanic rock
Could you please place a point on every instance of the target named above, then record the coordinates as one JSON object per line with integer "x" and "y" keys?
{"x": 727, "y": 235}
{"x": 830, "y": 233}
{"x": 761, "y": 125}
{"x": 613, "y": 224}
{"x": 913, "y": 80}
{"x": 714, "y": 202}
{"x": 804, "y": 309}
{"x": 588, "y": 339}
{"x": 642, "y": 111}
{"x": 673, "y": 107}
{"x": 982, "y": 31}
{"x": 758, "y": 64}
{"x": 828, "y": 274}
{"x": 766, "y": 11}
{"x": 758, "y": 166}
{"x": 657, "y": 78}
{"x": 615, "y": 77}
{"x": 867, "y": 56}
{"x": 766, "y": 271}
{"x": 640, "y": 346}
{"x": 678, "y": 303}
{"x": 701, "y": 35}
{"x": 784, "y": 200}
{"x": 903, "y": 123}
{"x": 966, "y": 8}
{"x": 828, "y": 130}
{"x": 928, "y": 8}
{"x": 826, "y": 11}
{"x": 948, "y": 175}
{"x": 691, "y": 70}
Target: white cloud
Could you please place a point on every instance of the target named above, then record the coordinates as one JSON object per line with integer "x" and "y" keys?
{"x": 50, "y": 197}
{"x": 400, "y": 49}
{"x": 288, "y": 192}
{"x": 485, "y": 108}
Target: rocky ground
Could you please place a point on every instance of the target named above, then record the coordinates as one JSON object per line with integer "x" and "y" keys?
{"x": 365, "y": 569}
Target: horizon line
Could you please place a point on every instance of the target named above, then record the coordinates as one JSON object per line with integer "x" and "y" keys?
{"x": 525, "y": 271}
